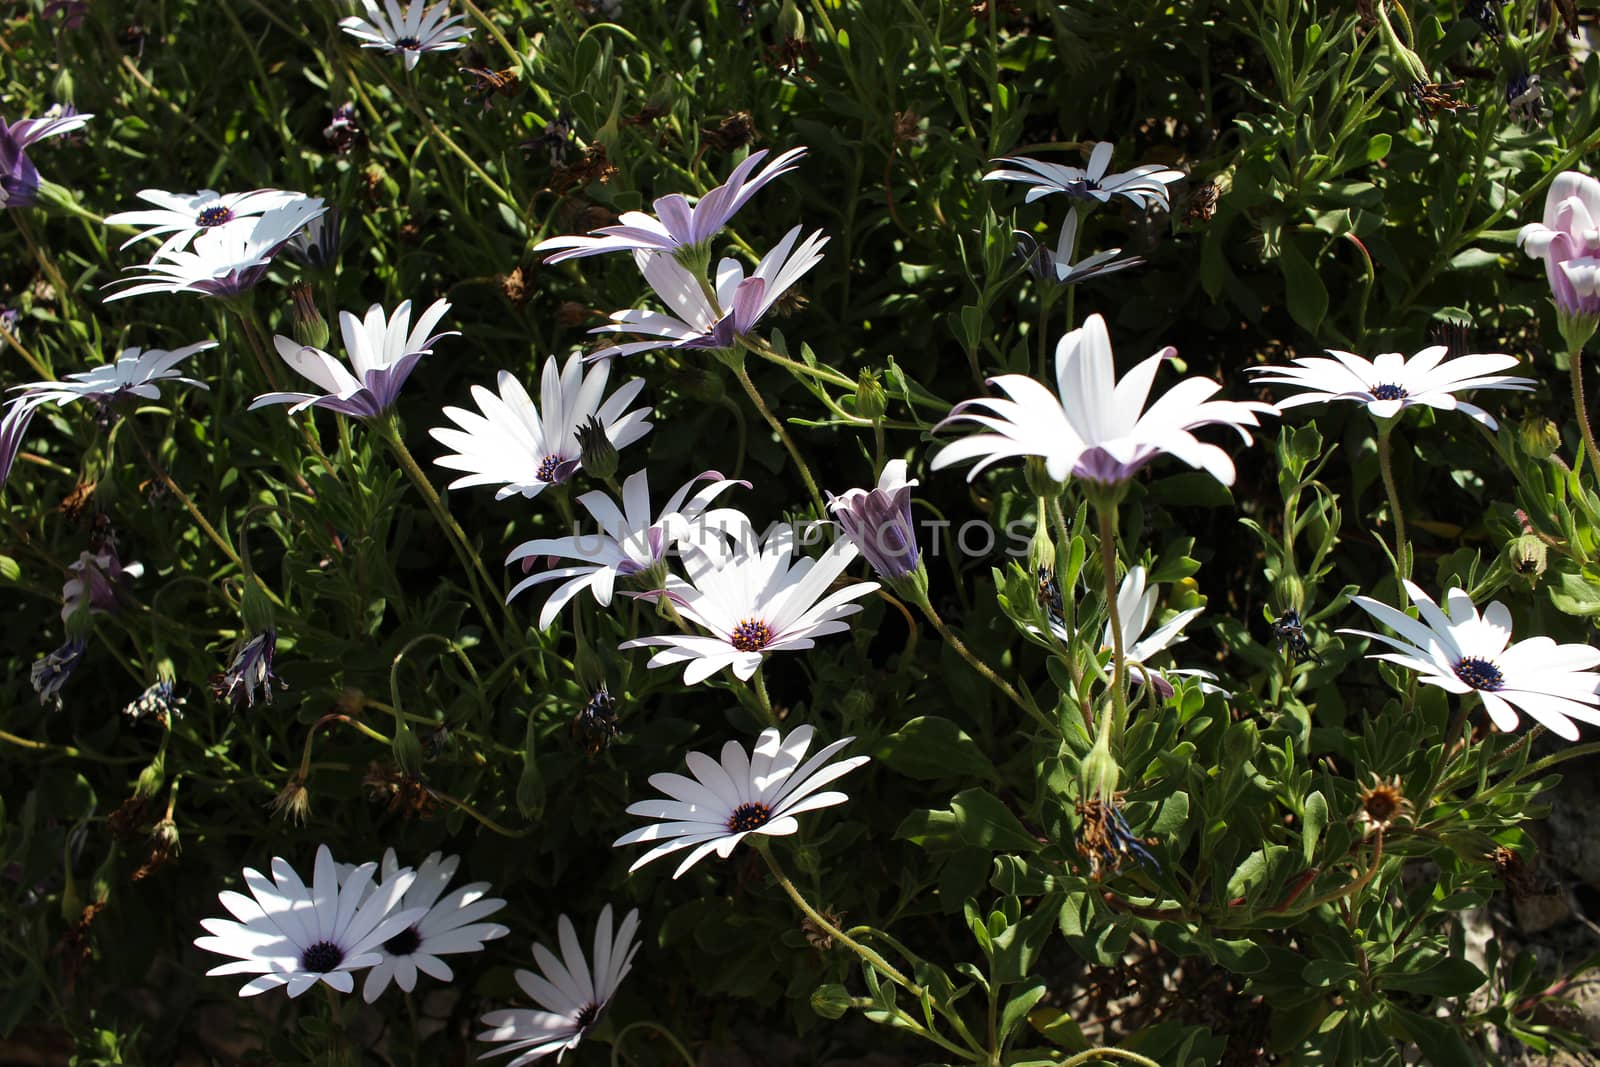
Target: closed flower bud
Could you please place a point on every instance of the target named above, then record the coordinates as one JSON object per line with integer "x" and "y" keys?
{"x": 1529, "y": 556}
{"x": 791, "y": 24}
{"x": 310, "y": 328}
{"x": 830, "y": 1001}
{"x": 293, "y": 802}
{"x": 1040, "y": 483}
{"x": 1539, "y": 437}
{"x": 1289, "y": 593}
{"x": 164, "y": 840}
{"x": 151, "y": 778}
{"x": 599, "y": 454}
{"x": 871, "y": 399}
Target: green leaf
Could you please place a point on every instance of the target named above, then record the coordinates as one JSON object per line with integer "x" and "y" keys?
{"x": 1378, "y": 147}
{"x": 1449, "y": 977}
{"x": 933, "y": 747}
{"x": 982, "y": 820}
{"x": 1020, "y": 1004}
{"x": 1303, "y": 289}
{"x": 1573, "y": 594}
{"x": 1315, "y": 820}
{"x": 1473, "y": 258}
{"x": 1172, "y": 816}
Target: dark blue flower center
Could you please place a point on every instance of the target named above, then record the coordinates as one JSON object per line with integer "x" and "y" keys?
{"x": 321, "y": 958}
{"x": 588, "y": 1015}
{"x": 215, "y": 215}
{"x": 1388, "y": 391}
{"x": 747, "y": 817}
{"x": 407, "y": 42}
{"x": 1480, "y": 673}
{"x": 550, "y": 468}
{"x": 751, "y": 635}
{"x": 404, "y": 943}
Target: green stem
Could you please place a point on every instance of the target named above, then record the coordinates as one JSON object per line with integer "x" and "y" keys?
{"x": 783, "y": 435}
{"x": 983, "y": 668}
{"x": 1575, "y": 359}
{"x": 646, "y": 1024}
{"x": 758, "y": 686}
{"x": 1107, "y": 514}
{"x": 1093, "y": 1054}
{"x": 1386, "y": 468}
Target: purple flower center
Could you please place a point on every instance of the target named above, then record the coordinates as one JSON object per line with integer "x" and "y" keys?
{"x": 588, "y": 1015}
{"x": 404, "y": 943}
{"x": 550, "y": 468}
{"x": 747, "y": 817}
{"x": 321, "y": 958}
{"x": 1480, "y": 673}
{"x": 1388, "y": 391}
{"x": 751, "y": 635}
{"x": 215, "y": 215}
{"x": 408, "y": 43}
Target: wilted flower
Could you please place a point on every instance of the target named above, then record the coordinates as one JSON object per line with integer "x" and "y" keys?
{"x": 157, "y": 702}
{"x": 1144, "y": 185}
{"x": 1106, "y": 840}
{"x": 756, "y": 793}
{"x": 446, "y": 927}
{"x": 343, "y": 129}
{"x": 573, "y": 995}
{"x": 1391, "y": 383}
{"x": 383, "y": 350}
{"x": 697, "y": 322}
{"x": 50, "y": 673}
{"x": 524, "y": 449}
{"x": 1462, "y": 653}
{"x": 596, "y": 722}
{"x": 224, "y": 261}
{"x": 1569, "y": 241}
{"x": 185, "y": 216}
{"x": 630, "y": 543}
{"x": 95, "y": 578}
{"x": 1097, "y": 429}
{"x": 1524, "y": 97}
{"x": 1383, "y": 804}
{"x": 676, "y": 227}
{"x": 755, "y": 600}
{"x": 1057, "y": 266}
{"x": 878, "y": 522}
{"x": 249, "y": 674}
{"x": 19, "y": 178}
{"x": 408, "y": 33}
{"x": 295, "y": 936}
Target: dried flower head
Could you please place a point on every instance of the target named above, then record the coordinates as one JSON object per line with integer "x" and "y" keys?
{"x": 293, "y": 802}
{"x": 1106, "y": 840}
{"x": 1383, "y": 804}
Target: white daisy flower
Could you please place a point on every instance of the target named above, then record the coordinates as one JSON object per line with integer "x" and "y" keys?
{"x": 694, "y": 321}
{"x": 1462, "y": 653}
{"x": 759, "y": 793}
{"x": 1144, "y": 185}
{"x": 1136, "y": 606}
{"x": 629, "y": 543}
{"x": 524, "y": 449}
{"x": 573, "y": 995}
{"x": 1057, "y": 266}
{"x": 409, "y": 33}
{"x": 447, "y": 927}
{"x": 755, "y": 599}
{"x": 293, "y": 936}
{"x": 135, "y": 372}
{"x": 1097, "y": 428}
{"x": 184, "y": 216}
{"x": 1391, "y": 383}
{"x": 383, "y": 351}
{"x": 224, "y": 261}
{"x": 676, "y": 226}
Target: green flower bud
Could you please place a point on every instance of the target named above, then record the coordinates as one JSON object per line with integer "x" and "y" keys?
{"x": 1040, "y": 483}
{"x": 830, "y": 1001}
{"x": 791, "y": 24}
{"x": 1529, "y": 556}
{"x": 871, "y": 399}
{"x": 164, "y": 838}
{"x": 310, "y": 328}
{"x": 151, "y": 777}
{"x": 598, "y": 453}
{"x": 1539, "y": 437}
{"x": 1289, "y": 593}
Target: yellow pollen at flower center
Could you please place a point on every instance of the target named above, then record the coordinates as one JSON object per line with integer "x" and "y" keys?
{"x": 751, "y": 635}
{"x": 747, "y": 817}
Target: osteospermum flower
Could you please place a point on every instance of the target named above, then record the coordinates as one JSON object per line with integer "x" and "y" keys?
{"x": 1391, "y": 383}
{"x": 676, "y": 227}
{"x": 225, "y": 261}
{"x": 758, "y": 793}
{"x": 185, "y": 216}
{"x": 13, "y": 428}
{"x": 1461, "y": 652}
{"x": 407, "y": 33}
{"x": 249, "y": 673}
{"x": 573, "y": 995}
{"x": 295, "y": 936}
{"x": 1144, "y": 185}
{"x": 135, "y": 372}
{"x": 19, "y": 178}
{"x": 630, "y": 543}
{"x": 524, "y": 449}
{"x": 755, "y": 599}
{"x": 1097, "y": 428}
{"x": 694, "y": 321}
{"x": 1568, "y": 240}
{"x": 1056, "y": 266}
{"x": 449, "y": 924}
{"x": 50, "y": 672}
{"x": 383, "y": 351}
{"x": 878, "y": 522}
{"x": 1136, "y": 606}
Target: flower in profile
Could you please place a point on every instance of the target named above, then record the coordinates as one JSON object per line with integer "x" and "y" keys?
{"x": 1097, "y": 429}
{"x": 525, "y": 449}
{"x": 1461, "y": 652}
{"x": 13, "y": 428}
{"x": 51, "y": 672}
{"x": 573, "y": 995}
{"x": 676, "y": 227}
{"x": 249, "y": 674}
{"x": 158, "y": 702}
{"x": 630, "y": 543}
{"x": 224, "y": 261}
{"x": 1144, "y": 185}
{"x": 185, "y": 216}
{"x": 1136, "y": 606}
{"x": 383, "y": 350}
{"x": 408, "y": 33}
{"x": 1056, "y": 265}
{"x": 1568, "y": 240}
{"x": 758, "y": 793}
{"x": 1391, "y": 383}
{"x": 317, "y": 246}
{"x": 755, "y": 599}
{"x": 448, "y": 924}
{"x": 292, "y": 935}
{"x": 135, "y": 372}
{"x": 19, "y": 178}
{"x": 95, "y": 579}
{"x": 694, "y": 322}
{"x": 878, "y": 522}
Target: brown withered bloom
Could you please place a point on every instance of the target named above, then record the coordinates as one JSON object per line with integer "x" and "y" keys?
{"x": 514, "y": 284}
{"x": 75, "y": 503}
{"x": 595, "y": 725}
{"x": 735, "y": 131}
{"x": 1383, "y": 804}
{"x": 74, "y": 948}
{"x": 792, "y": 54}
{"x": 908, "y": 128}
{"x": 1433, "y": 97}
{"x": 593, "y": 166}
{"x": 645, "y": 116}
{"x": 1203, "y": 203}
{"x": 293, "y": 802}
{"x": 816, "y": 936}
{"x": 124, "y": 823}
{"x": 1106, "y": 840}
{"x": 570, "y": 313}
{"x": 402, "y": 793}
{"x": 165, "y": 847}
{"x": 486, "y": 84}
